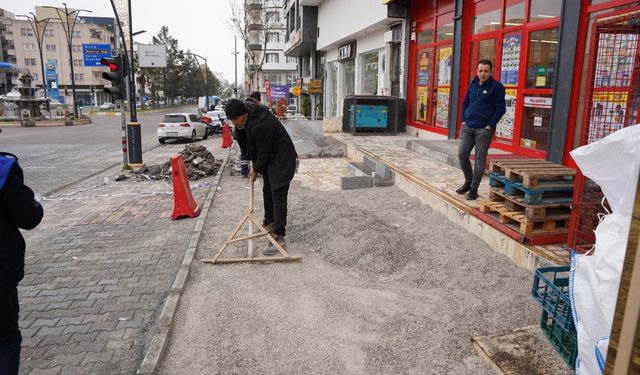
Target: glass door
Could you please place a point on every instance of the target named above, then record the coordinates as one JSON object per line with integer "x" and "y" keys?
{"x": 509, "y": 76}
{"x": 423, "y": 84}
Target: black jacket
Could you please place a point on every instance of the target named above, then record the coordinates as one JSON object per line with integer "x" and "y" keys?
{"x": 18, "y": 209}
{"x": 268, "y": 145}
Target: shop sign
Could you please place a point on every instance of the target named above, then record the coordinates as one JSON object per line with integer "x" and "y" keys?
{"x": 537, "y": 102}
{"x": 315, "y": 86}
{"x": 347, "y": 51}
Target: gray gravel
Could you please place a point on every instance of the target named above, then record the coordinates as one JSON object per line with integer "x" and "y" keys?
{"x": 386, "y": 286}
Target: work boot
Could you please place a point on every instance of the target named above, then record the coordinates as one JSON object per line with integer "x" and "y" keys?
{"x": 472, "y": 195}
{"x": 270, "y": 249}
{"x": 268, "y": 227}
{"x": 464, "y": 188}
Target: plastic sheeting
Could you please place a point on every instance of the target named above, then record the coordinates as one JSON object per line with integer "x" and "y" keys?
{"x": 614, "y": 164}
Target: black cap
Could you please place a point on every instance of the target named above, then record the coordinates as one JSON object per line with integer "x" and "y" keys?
{"x": 255, "y": 95}
{"x": 235, "y": 108}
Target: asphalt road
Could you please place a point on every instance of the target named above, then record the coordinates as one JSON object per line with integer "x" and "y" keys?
{"x": 53, "y": 157}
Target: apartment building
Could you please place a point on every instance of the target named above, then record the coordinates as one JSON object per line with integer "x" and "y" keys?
{"x": 20, "y": 46}
{"x": 264, "y": 58}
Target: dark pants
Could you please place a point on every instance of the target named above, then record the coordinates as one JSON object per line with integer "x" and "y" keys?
{"x": 275, "y": 206}
{"x": 481, "y": 139}
{"x": 10, "y": 338}
{"x": 244, "y": 163}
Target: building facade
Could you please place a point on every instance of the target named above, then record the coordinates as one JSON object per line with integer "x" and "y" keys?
{"x": 88, "y": 30}
{"x": 570, "y": 69}
{"x": 265, "y": 63}
{"x": 363, "y": 55}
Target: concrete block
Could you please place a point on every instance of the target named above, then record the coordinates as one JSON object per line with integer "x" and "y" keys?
{"x": 383, "y": 171}
{"x": 356, "y": 182}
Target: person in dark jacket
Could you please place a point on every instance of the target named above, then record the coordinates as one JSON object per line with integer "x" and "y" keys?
{"x": 254, "y": 97}
{"x": 272, "y": 154}
{"x": 18, "y": 210}
{"x": 482, "y": 109}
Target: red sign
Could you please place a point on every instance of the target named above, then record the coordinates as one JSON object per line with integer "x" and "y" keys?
{"x": 267, "y": 87}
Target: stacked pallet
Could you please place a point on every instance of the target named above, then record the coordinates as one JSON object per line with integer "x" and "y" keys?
{"x": 530, "y": 200}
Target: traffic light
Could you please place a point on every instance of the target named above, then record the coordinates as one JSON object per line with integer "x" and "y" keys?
{"x": 116, "y": 75}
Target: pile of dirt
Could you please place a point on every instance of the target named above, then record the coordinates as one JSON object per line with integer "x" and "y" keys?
{"x": 198, "y": 161}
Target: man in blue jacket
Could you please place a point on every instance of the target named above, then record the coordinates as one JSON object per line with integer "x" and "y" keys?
{"x": 18, "y": 210}
{"x": 482, "y": 109}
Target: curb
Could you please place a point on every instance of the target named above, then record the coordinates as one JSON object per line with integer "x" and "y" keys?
{"x": 163, "y": 326}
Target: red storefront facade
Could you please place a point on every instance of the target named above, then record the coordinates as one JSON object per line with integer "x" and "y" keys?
{"x": 523, "y": 39}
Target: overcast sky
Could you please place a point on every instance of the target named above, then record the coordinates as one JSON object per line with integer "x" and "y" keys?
{"x": 199, "y": 25}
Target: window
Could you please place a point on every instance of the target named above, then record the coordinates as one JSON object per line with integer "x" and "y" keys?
{"x": 445, "y": 27}
{"x": 97, "y": 75}
{"x": 541, "y": 65}
{"x": 35, "y": 76}
{"x": 272, "y": 58}
{"x": 348, "y": 78}
{"x": 425, "y": 33}
{"x": 49, "y": 33}
{"x": 79, "y": 77}
{"x": 291, "y": 78}
{"x": 370, "y": 73}
{"x": 51, "y": 47}
{"x": 77, "y": 62}
{"x": 30, "y": 61}
{"x": 29, "y": 46}
{"x": 76, "y": 34}
{"x": 515, "y": 13}
{"x": 26, "y": 32}
{"x": 273, "y": 37}
{"x": 487, "y": 18}
{"x": 275, "y": 78}
{"x": 306, "y": 65}
{"x": 193, "y": 118}
{"x": 331, "y": 91}
{"x": 76, "y": 48}
{"x": 292, "y": 60}
{"x": 273, "y": 17}
{"x": 544, "y": 9}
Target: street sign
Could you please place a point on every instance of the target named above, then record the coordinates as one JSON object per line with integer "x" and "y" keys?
{"x": 152, "y": 55}
{"x": 315, "y": 86}
{"x": 52, "y": 80}
{"x": 92, "y": 53}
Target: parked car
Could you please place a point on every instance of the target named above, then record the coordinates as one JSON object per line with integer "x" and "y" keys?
{"x": 292, "y": 109}
{"x": 214, "y": 121}
{"x": 107, "y": 106}
{"x": 181, "y": 126}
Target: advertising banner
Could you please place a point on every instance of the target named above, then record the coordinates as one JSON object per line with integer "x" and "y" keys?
{"x": 279, "y": 91}
{"x": 52, "y": 80}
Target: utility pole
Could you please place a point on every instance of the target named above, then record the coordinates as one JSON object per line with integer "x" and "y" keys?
{"x": 235, "y": 56}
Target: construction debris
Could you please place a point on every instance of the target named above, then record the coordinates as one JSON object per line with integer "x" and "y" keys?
{"x": 198, "y": 161}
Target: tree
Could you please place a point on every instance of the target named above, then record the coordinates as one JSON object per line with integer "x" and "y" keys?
{"x": 256, "y": 36}
{"x": 174, "y": 58}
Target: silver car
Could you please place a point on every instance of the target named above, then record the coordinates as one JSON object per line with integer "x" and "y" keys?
{"x": 181, "y": 126}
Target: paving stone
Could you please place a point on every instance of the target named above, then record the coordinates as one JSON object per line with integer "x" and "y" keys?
{"x": 68, "y": 360}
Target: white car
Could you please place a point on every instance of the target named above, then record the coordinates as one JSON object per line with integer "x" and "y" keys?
{"x": 107, "y": 106}
{"x": 181, "y": 126}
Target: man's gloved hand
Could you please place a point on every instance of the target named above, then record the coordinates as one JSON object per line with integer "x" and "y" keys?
{"x": 253, "y": 174}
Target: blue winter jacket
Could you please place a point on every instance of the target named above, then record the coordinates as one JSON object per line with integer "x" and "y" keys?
{"x": 483, "y": 104}
{"x": 18, "y": 210}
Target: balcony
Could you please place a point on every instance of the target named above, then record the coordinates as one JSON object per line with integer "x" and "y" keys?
{"x": 254, "y": 24}
{"x": 252, "y": 46}
{"x": 253, "y": 5}
{"x": 303, "y": 40}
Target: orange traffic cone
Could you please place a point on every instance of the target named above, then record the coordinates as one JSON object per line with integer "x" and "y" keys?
{"x": 227, "y": 141}
{"x": 183, "y": 202}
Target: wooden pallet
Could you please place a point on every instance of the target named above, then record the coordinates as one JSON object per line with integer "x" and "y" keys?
{"x": 497, "y": 166}
{"x": 547, "y": 191}
{"x": 546, "y": 208}
{"x": 533, "y": 173}
{"x": 509, "y": 230}
{"x": 526, "y": 226}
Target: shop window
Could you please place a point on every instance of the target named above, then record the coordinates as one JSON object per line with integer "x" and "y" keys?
{"x": 486, "y": 50}
{"x": 541, "y": 66}
{"x": 536, "y": 122}
{"x": 370, "y": 73}
{"x": 509, "y": 68}
{"x": 423, "y": 69}
{"x": 425, "y": 34}
{"x": 442, "y": 87}
{"x": 487, "y": 17}
{"x": 349, "y": 78}
{"x": 544, "y": 9}
{"x": 445, "y": 27}
{"x": 515, "y": 13}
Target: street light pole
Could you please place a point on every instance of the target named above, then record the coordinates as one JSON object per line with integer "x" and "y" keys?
{"x": 132, "y": 80}
{"x": 235, "y": 56}
{"x": 69, "y": 24}
{"x": 206, "y": 78}
{"x": 39, "y": 27}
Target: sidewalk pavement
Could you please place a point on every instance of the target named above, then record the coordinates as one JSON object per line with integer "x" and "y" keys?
{"x": 434, "y": 182}
{"x": 99, "y": 268}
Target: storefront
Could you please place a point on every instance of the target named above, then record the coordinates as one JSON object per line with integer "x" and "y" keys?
{"x": 430, "y": 65}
